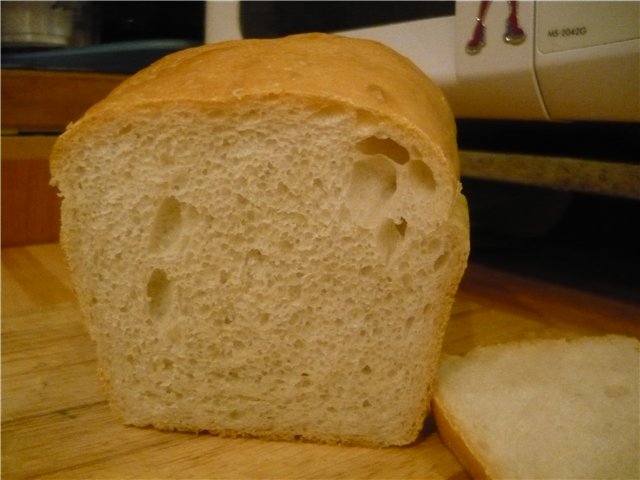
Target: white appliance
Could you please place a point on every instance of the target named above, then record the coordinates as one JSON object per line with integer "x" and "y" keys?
{"x": 574, "y": 60}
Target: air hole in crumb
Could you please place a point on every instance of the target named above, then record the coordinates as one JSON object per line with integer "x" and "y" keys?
{"x": 282, "y": 188}
{"x": 253, "y": 257}
{"x": 366, "y": 403}
{"x": 435, "y": 244}
{"x": 408, "y": 323}
{"x": 366, "y": 270}
{"x": 330, "y": 112}
{"x": 252, "y": 270}
{"x": 441, "y": 261}
{"x": 377, "y": 92}
{"x": 384, "y": 146}
{"x": 285, "y": 245}
{"x": 401, "y": 226}
{"x": 367, "y": 120}
{"x": 159, "y": 294}
{"x": 390, "y": 236}
{"x": 421, "y": 176}
{"x": 167, "y": 225}
{"x": 295, "y": 291}
{"x": 166, "y": 364}
{"x": 125, "y": 129}
{"x": 305, "y": 382}
{"x": 366, "y": 370}
{"x": 373, "y": 182}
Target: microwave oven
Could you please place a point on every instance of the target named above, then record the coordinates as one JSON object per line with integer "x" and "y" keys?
{"x": 512, "y": 60}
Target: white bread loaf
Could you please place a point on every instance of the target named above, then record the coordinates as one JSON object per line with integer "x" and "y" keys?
{"x": 266, "y": 237}
{"x": 546, "y": 409}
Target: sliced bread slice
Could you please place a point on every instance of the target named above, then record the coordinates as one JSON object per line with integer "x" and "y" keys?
{"x": 544, "y": 409}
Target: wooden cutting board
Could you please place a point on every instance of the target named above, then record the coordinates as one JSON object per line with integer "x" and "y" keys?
{"x": 56, "y": 422}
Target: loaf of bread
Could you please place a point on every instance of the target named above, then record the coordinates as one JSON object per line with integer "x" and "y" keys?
{"x": 546, "y": 409}
{"x": 266, "y": 237}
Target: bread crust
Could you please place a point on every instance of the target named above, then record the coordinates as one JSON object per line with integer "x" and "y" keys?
{"x": 455, "y": 442}
{"x": 475, "y": 446}
{"x": 313, "y": 66}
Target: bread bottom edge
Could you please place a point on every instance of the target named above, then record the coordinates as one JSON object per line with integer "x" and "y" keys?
{"x": 328, "y": 440}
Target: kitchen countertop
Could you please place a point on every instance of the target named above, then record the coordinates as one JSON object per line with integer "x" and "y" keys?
{"x": 56, "y": 422}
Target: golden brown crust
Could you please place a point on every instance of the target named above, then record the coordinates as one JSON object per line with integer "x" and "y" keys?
{"x": 361, "y": 73}
{"x": 456, "y": 442}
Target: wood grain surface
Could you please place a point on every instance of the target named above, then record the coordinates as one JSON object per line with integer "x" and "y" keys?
{"x": 46, "y": 101}
{"x": 56, "y": 422}
{"x": 30, "y": 206}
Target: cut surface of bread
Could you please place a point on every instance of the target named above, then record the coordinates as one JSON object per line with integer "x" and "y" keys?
{"x": 266, "y": 238}
{"x": 562, "y": 409}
